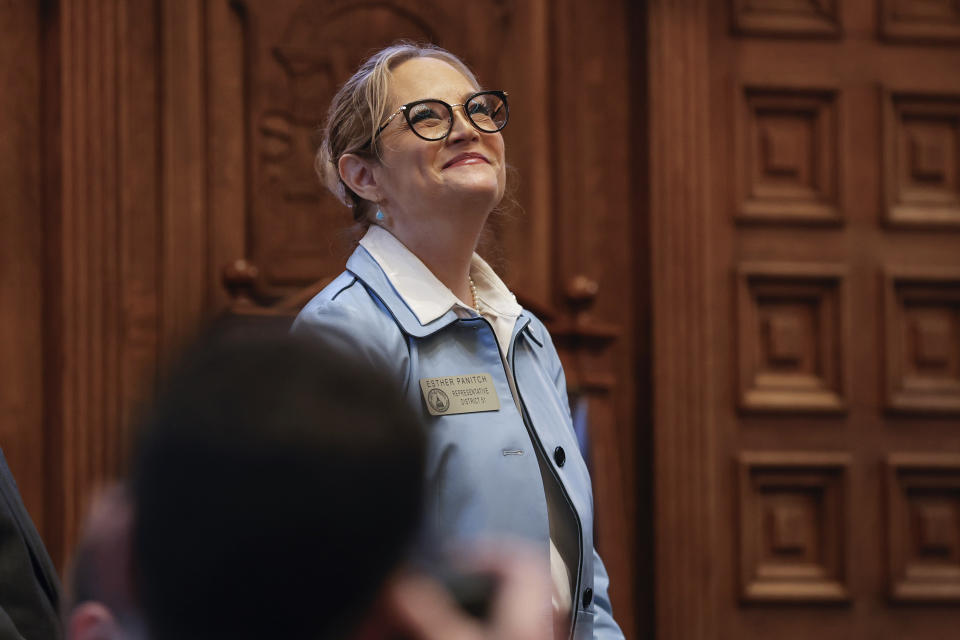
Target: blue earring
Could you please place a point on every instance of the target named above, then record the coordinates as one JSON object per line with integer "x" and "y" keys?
{"x": 379, "y": 215}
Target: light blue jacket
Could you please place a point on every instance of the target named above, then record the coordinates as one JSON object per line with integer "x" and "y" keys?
{"x": 474, "y": 489}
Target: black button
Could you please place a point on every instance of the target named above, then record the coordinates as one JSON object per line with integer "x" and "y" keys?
{"x": 559, "y": 456}
{"x": 587, "y": 597}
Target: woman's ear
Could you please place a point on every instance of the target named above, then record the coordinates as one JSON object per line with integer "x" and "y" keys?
{"x": 357, "y": 174}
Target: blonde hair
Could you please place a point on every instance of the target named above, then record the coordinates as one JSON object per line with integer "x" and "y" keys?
{"x": 357, "y": 111}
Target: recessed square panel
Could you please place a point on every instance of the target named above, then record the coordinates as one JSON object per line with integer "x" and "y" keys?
{"x": 922, "y": 159}
{"x": 802, "y": 18}
{"x": 791, "y": 327}
{"x": 920, "y": 20}
{"x": 923, "y": 518}
{"x": 793, "y": 540}
{"x": 787, "y": 156}
{"x": 923, "y": 340}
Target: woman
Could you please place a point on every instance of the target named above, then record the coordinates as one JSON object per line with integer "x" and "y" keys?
{"x": 413, "y": 145}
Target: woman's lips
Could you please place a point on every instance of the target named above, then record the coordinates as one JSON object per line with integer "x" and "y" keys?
{"x": 465, "y": 159}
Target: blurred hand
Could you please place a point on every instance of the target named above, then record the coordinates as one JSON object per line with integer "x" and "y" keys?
{"x": 520, "y": 609}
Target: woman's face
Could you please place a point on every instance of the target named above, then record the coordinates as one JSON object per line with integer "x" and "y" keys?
{"x": 417, "y": 177}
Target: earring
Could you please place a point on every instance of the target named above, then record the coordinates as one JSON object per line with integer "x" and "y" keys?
{"x": 379, "y": 216}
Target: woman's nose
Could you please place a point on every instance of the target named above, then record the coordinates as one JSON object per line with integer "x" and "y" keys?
{"x": 461, "y": 128}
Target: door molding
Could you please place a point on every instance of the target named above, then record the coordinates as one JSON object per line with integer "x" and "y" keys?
{"x": 681, "y": 214}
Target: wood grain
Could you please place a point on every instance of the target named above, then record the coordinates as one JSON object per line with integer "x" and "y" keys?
{"x": 681, "y": 219}
{"x": 21, "y": 255}
{"x": 185, "y": 239}
{"x": 88, "y": 337}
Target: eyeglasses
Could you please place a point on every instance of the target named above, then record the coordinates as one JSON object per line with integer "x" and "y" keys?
{"x": 433, "y": 119}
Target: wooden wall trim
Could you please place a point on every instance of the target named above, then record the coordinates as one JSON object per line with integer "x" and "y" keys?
{"x": 86, "y": 340}
{"x": 140, "y": 229}
{"x": 183, "y": 135}
{"x": 53, "y": 305}
{"x": 228, "y": 146}
{"x": 100, "y": 226}
{"x": 592, "y": 267}
{"x": 684, "y": 433}
{"x": 21, "y": 255}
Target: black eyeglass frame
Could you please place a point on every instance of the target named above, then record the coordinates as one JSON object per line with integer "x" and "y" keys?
{"x": 405, "y": 110}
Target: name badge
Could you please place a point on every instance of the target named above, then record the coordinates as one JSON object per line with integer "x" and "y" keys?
{"x": 471, "y": 393}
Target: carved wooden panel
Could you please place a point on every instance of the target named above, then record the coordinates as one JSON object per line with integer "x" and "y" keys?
{"x": 100, "y": 210}
{"x": 923, "y": 340}
{"x": 289, "y": 57}
{"x": 920, "y": 20}
{"x": 923, "y": 520}
{"x": 787, "y": 156}
{"x": 809, "y": 18}
{"x": 300, "y": 53}
{"x": 295, "y": 56}
{"x": 793, "y": 528}
{"x": 792, "y": 336}
{"x": 922, "y": 159}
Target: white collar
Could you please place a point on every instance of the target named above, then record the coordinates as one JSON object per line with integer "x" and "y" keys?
{"x": 426, "y": 296}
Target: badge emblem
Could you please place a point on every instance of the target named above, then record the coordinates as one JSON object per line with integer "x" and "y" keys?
{"x": 463, "y": 393}
{"x": 438, "y": 400}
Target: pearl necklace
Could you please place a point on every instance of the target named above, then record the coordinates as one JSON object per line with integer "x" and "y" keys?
{"x": 473, "y": 291}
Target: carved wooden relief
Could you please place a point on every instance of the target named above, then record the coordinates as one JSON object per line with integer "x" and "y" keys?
{"x": 923, "y": 340}
{"x": 296, "y": 55}
{"x": 920, "y": 21}
{"x": 300, "y": 53}
{"x": 787, "y": 156}
{"x": 793, "y": 529}
{"x": 923, "y": 520}
{"x": 922, "y": 159}
{"x": 792, "y": 336}
{"x": 805, "y": 18}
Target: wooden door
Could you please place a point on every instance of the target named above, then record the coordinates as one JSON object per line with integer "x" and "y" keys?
{"x": 271, "y": 69}
{"x": 149, "y": 144}
{"x": 826, "y": 434}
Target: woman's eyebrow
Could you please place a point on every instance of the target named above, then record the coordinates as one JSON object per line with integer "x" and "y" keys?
{"x": 463, "y": 97}
{"x": 472, "y": 92}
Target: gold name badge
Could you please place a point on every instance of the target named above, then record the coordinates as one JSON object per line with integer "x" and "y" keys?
{"x": 450, "y": 395}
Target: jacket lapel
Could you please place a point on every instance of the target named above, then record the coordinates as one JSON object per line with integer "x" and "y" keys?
{"x": 362, "y": 265}
{"x": 42, "y": 564}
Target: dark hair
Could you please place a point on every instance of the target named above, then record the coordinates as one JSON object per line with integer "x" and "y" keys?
{"x": 276, "y": 483}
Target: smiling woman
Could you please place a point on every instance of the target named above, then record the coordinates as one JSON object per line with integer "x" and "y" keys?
{"x": 413, "y": 145}
{"x": 432, "y": 189}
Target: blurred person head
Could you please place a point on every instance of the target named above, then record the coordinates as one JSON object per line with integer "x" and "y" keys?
{"x": 276, "y": 485}
{"x": 100, "y": 603}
